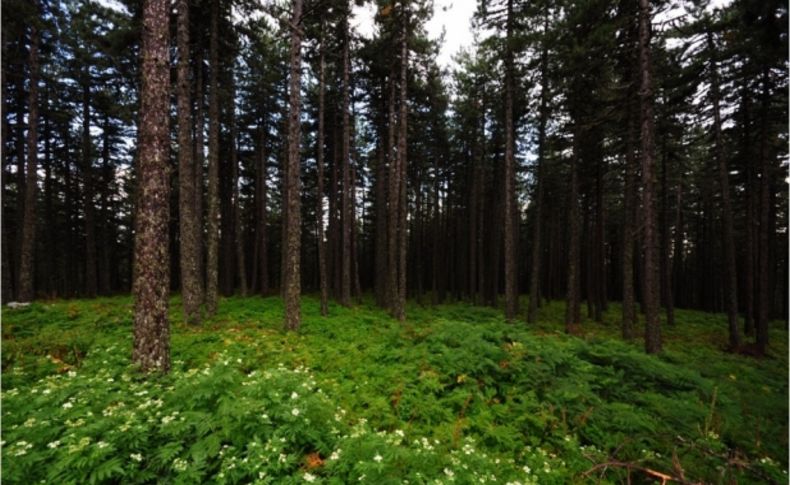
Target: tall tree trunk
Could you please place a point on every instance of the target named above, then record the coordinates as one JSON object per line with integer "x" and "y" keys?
{"x": 534, "y": 278}
{"x": 381, "y": 227}
{"x": 666, "y": 262}
{"x": 241, "y": 265}
{"x": 212, "y": 216}
{"x": 572, "y": 310}
{"x": 763, "y": 293}
{"x": 346, "y": 216}
{"x": 199, "y": 168}
{"x": 87, "y": 179}
{"x": 393, "y": 194}
{"x": 151, "y": 266}
{"x": 400, "y": 308}
{"x": 189, "y": 250}
{"x": 26, "y": 266}
{"x": 511, "y": 291}
{"x": 262, "y": 235}
{"x": 106, "y": 240}
{"x": 651, "y": 276}
{"x": 751, "y": 216}
{"x": 724, "y": 185}
{"x": 319, "y": 210}
{"x": 291, "y": 186}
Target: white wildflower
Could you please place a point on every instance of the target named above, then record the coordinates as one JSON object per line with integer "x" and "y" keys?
{"x": 377, "y": 458}
{"x": 136, "y": 457}
{"x": 309, "y": 477}
{"x": 295, "y": 411}
{"x": 68, "y": 405}
{"x": 53, "y": 444}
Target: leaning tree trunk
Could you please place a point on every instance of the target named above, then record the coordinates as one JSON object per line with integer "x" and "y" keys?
{"x": 731, "y": 283}
{"x": 189, "y": 243}
{"x": 651, "y": 273}
{"x": 151, "y": 256}
{"x": 25, "y": 290}
{"x": 511, "y": 292}
{"x": 293, "y": 222}
{"x": 212, "y": 216}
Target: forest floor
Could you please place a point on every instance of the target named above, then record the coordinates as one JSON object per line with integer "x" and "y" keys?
{"x": 454, "y": 394}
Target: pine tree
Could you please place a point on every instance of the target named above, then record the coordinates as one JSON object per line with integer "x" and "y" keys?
{"x": 151, "y": 264}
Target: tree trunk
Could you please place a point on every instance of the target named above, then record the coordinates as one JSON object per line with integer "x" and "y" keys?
{"x": 89, "y": 207}
{"x": 212, "y": 216}
{"x": 393, "y": 194}
{"x": 241, "y": 265}
{"x": 151, "y": 257}
{"x": 346, "y": 216}
{"x": 572, "y": 310}
{"x": 28, "y": 246}
{"x": 400, "y": 308}
{"x": 189, "y": 243}
{"x": 319, "y": 210}
{"x": 262, "y": 232}
{"x": 511, "y": 290}
{"x": 534, "y": 278}
{"x": 291, "y": 183}
{"x": 763, "y": 294}
{"x": 199, "y": 170}
{"x": 651, "y": 274}
{"x": 731, "y": 280}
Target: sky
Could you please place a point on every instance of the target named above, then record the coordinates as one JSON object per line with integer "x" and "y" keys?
{"x": 453, "y": 17}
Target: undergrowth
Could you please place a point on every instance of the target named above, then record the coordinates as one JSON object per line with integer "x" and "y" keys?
{"x": 454, "y": 394}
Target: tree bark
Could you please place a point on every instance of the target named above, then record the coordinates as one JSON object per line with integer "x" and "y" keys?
{"x": 27, "y": 250}
{"x": 151, "y": 257}
{"x": 651, "y": 274}
{"x": 291, "y": 182}
{"x": 191, "y": 291}
{"x": 212, "y": 216}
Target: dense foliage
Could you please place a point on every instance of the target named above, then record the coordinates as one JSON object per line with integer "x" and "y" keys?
{"x": 454, "y": 394}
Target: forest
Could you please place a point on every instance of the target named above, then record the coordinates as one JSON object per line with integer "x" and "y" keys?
{"x": 287, "y": 241}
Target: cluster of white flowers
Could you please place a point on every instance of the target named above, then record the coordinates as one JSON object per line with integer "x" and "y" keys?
{"x": 378, "y": 458}
{"x": 295, "y": 411}
{"x": 170, "y": 419}
{"x": 335, "y": 454}
{"x": 21, "y": 447}
{"x": 309, "y": 477}
{"x": 53, "y": 444}
{"x": 102, "y": 444}
{"x": 136, "y": 457}
{"x": 179, "y": 464}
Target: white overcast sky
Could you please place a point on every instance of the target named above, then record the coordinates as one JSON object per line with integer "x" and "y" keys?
{"x": 453, "y": 17}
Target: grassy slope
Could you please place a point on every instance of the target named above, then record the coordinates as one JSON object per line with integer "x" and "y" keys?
{"x": 453, "y": 394}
